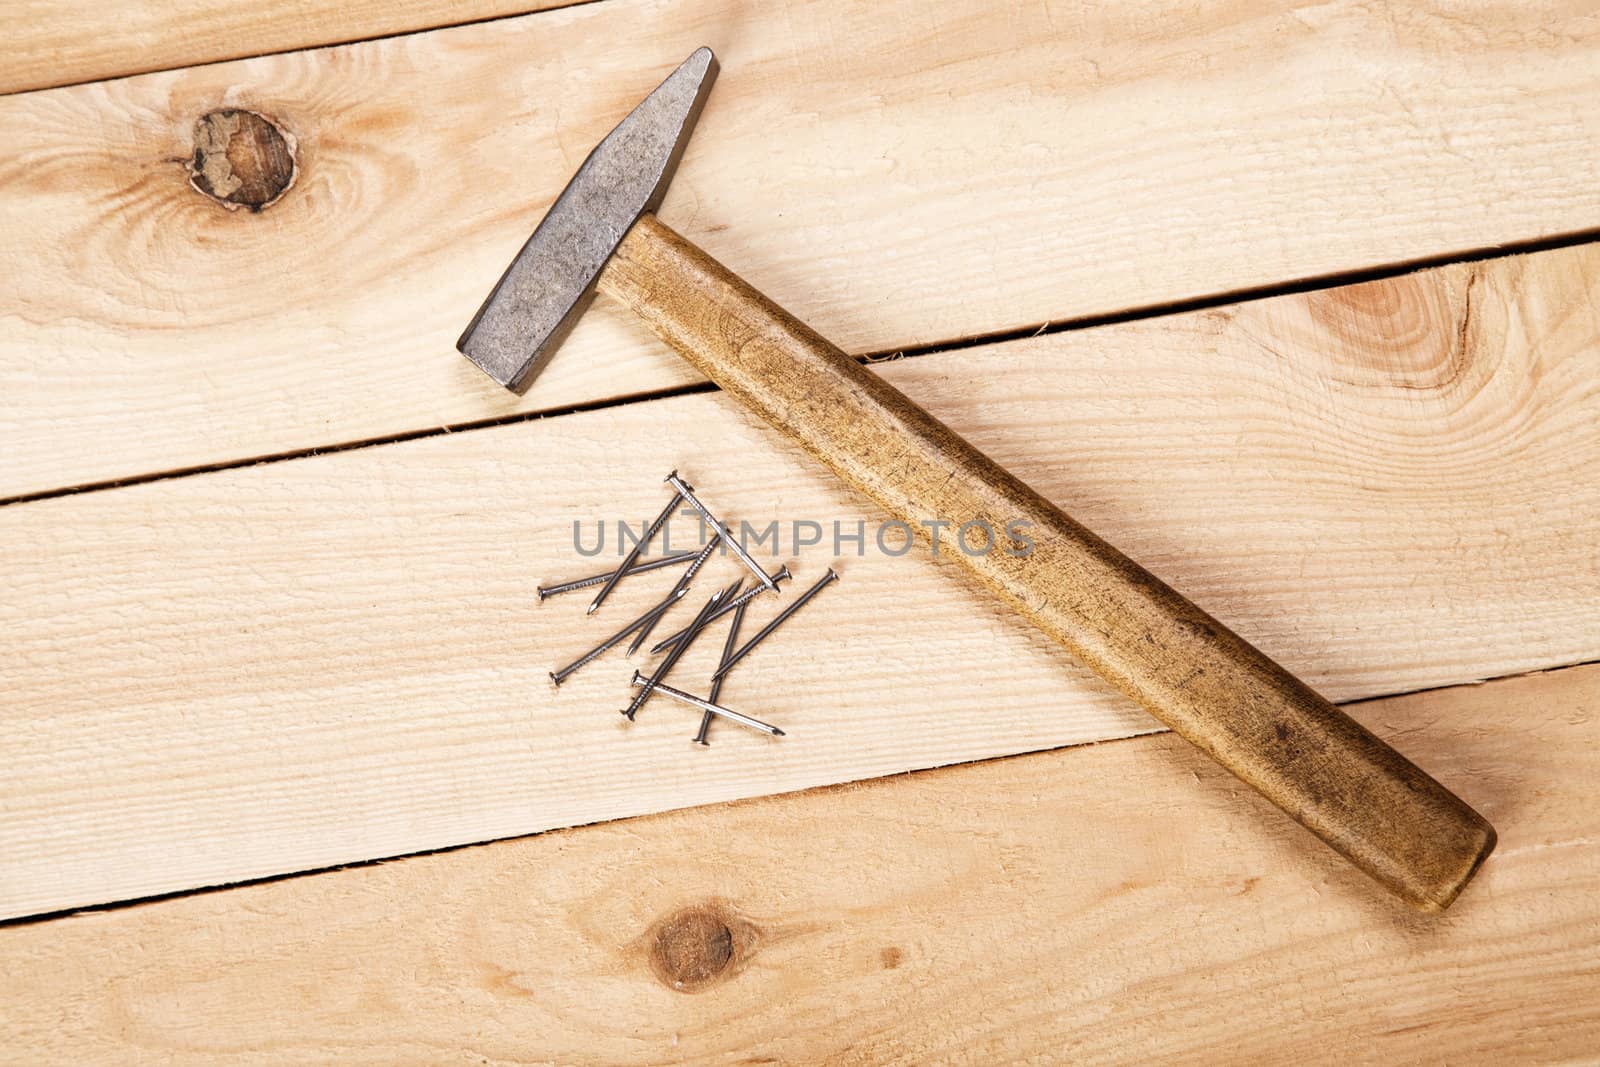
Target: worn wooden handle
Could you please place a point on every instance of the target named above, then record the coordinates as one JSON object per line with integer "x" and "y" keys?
{"x": 1194, "y": 674}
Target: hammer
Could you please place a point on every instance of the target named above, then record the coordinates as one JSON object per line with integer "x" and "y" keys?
{"x": 1324, "y": 769}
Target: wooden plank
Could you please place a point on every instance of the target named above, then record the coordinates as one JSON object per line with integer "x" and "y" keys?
{"x": 313, "y": 662}
{"x": 1123, "y": 903}
{"x": 56, "y": 42}
{"x": 897, "y": 175}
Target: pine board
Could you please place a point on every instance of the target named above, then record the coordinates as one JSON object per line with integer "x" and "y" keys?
{"x": 898, "y": 174}
{"x": 59, "y": 42}
{"x": 332, "y": 659}
{"x": 1124, "y": 903}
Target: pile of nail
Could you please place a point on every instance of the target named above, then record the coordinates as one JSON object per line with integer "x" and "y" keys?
{"x": 732, "y": 600}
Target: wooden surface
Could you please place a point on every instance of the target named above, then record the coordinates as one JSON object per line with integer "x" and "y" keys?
{"x": 1322, "y": 768}
{"x": 1041, "y": 909}
{"x": 60, "y": 42}
{"x": 336, "y": 658}
{"x": 304, "y": 660}
{"x": 897, "y": 175}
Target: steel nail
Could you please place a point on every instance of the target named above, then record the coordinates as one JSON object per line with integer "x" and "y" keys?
{"x": 595, "y": 579}
{"x": 710, "y": 708}
{"x": 716, "y": 682}
{"x": 683, "y": 583}
{"x": 761, "y": 634}
{"x": 686, "y": 491}
{"x": 744, "y": 598}
{"x": 633, "y": 555}
{"x": 679, "y": 649}
{"x": 603, "y": 647}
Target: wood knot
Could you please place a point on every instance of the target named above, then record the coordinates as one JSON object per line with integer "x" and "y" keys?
{"x": 242, "y": 159}
{"x": 1392, "y": 332}
{"x": 694, "y": 947}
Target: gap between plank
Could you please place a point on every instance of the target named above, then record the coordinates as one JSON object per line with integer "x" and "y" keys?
{"x": 1136, "y": 314}
{"x": 1157, "y": 731}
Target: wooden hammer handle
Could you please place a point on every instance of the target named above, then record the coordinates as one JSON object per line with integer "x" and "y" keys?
{"x": 1194, "y": 674}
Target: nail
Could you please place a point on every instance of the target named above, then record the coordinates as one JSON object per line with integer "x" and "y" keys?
{"x": 686, "y": 491}
{"x": 605, "y": 646}
{"x": 633, "y": 555}
{"x": 682, "y": 584}
{"x": 716, "y": 682}
{"x": 744, "y": 598}
{"x": 761, "y": 634}
{"x": 679, "y": 649}
{"x": 709, "y": 708}
{"x": 595, "y": 579}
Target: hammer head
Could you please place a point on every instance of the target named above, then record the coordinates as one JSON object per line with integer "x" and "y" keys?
{"x": 552, "y": 279}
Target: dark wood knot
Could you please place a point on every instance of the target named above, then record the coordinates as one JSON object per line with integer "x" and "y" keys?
{"x": 242, "y": 159}
{"x": 694, "y": 947}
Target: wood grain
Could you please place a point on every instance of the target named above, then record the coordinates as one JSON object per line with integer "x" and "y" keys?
{"x": 332, "y": 659}
{"x": 1222, "y": 694}
{"x": 896, "y": 175}
{"x": 57, "y": 42}
{"x": 1041, "y": 909}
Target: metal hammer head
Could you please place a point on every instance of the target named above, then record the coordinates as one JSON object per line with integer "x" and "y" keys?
{"x": 552, "y": 279}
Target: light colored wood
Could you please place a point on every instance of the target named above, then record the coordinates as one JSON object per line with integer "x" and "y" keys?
{"x": 1043, "y": 909}
{"x": 58, "y": 42}
{"x": 1321, "y": 767}
{"x": 332, "y": 659}
{"x": 895, "y": 174}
